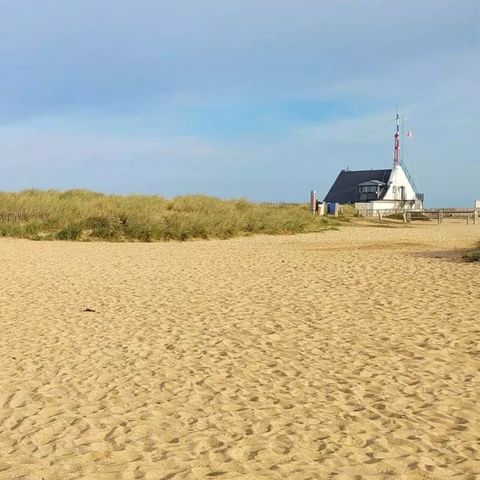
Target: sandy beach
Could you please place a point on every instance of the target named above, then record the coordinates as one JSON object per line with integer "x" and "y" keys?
{"x": 349, "y": 354}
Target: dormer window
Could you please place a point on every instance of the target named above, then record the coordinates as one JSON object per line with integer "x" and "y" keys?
{"x": 368, "y": 189}
{"x": 371, "y": 190}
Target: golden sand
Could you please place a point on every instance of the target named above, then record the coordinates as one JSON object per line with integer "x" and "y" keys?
{"x": 351, "y": 354}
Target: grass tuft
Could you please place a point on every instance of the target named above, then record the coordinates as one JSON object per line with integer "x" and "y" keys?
{"x": 473, "y": 256}
{"x": 71, "y": 232}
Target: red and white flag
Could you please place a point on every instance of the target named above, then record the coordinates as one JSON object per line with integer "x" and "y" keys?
{"x": 410, "y": 134}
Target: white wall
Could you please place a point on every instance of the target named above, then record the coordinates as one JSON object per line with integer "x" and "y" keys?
{"x": 385, "y": 205}
{"x": 371, "y": 208}
{"x": 397, "y": 179}
{"x": 379, "y": 205}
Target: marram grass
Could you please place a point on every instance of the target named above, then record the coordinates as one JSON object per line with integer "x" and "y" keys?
{"x": 86, "y": 215}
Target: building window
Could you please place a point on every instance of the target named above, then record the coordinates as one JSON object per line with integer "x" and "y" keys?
{"x": 368, "y": 189}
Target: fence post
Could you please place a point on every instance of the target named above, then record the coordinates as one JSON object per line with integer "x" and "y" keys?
{"x": 440, "y": 216}
{"x": 475, "y": 216}
{"x": 313, "y": 201}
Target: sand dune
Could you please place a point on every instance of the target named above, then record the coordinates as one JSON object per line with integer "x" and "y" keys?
{"x": 351, "y": 354}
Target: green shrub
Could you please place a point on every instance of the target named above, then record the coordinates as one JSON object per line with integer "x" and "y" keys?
{"x": 10, "y": 229}
{"x": 473, "y": 256}
{"x": 105, "y": 227}
{"x": 71, "y": 232}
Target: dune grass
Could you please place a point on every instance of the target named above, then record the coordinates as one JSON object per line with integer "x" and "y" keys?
{"x": 86, "y": 215}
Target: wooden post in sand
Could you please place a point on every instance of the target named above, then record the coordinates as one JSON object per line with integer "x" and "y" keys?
{"x": 404, "y": 216}
{"x": 468, "y": 218}
{"x": 313, "y": 201}
{"x": 440, "y": 216}
{"x": 475, "y": 216}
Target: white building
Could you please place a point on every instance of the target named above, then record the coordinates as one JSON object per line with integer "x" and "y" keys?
{"x": 397, "y": 194}
{"x": 372, "y": 191}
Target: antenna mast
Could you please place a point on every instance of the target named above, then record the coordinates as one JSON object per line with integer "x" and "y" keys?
{"x": 396, "y": 150}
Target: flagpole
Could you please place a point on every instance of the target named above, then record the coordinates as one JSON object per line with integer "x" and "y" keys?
{"x": 396, "y": 153}
{"x": 402, "y": 151}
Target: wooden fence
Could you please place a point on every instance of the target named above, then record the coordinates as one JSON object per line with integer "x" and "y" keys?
{"x": 471, "y": 215}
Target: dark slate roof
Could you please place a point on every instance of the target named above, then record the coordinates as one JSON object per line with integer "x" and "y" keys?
{"x": 345, "y": 188}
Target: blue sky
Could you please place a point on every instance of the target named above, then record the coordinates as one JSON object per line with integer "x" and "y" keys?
{"x": 263, "y": 99}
